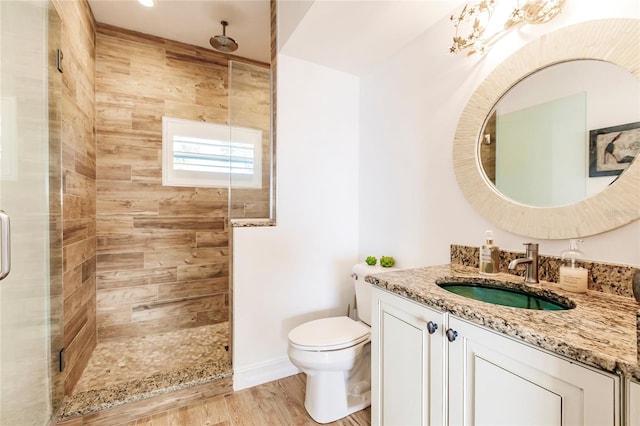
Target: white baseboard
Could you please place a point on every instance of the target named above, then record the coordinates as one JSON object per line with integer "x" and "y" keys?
{"x": 263, "y": 372}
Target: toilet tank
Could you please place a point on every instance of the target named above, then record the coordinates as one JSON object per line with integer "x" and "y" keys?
{"x": 364, "y": 289}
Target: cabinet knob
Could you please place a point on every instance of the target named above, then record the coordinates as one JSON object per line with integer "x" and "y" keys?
{"x": 451, "y": 335}
{"x": 432, "y": 327}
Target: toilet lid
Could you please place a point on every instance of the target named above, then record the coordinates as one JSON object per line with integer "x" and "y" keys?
{"x": 329, "y": 334}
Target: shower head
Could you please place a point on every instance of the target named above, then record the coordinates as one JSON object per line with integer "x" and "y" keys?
{"x": 222, "y": 42}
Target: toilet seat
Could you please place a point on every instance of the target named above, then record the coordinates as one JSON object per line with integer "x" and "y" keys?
{"x": 328, "y": 334}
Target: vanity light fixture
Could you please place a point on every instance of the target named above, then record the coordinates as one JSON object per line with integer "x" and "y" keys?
{"x": 486, "y": 21}
{"x": 147, "y": 3}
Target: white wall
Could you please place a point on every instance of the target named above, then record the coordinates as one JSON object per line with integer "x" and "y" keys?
{"x": 300, "y": 269}
{"x": 410, "y": 204}
{"x": 364, "y": 167}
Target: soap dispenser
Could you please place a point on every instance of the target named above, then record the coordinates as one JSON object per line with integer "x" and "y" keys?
{"x": 573, "y": 277}
{"x": 489, "y": 256}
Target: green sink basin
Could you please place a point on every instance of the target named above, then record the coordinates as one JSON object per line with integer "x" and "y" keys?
{"x": 505, "y": 296}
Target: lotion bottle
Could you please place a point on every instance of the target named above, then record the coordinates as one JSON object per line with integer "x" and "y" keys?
{"x": 573, "y": 277}
{"x": 489, "y": 256}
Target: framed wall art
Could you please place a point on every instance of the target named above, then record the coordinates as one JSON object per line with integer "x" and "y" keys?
{"x": 613, "y": 149}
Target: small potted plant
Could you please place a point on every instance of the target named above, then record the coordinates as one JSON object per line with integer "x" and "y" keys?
{"x": 387, "y": 261}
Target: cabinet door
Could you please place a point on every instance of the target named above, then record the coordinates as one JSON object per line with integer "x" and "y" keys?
{"x": 633, "y": 403}
{"x": 408, "y": 363}
{"x": 494, "y": 380}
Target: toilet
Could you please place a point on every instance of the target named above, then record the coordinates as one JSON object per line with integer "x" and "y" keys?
{"x": 335, "y": 354}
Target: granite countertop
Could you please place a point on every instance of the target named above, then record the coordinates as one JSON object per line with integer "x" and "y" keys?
{"x": 600, "y": 331}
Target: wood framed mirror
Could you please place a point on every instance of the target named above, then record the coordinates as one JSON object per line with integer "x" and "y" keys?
{"x": 608, "y": 40}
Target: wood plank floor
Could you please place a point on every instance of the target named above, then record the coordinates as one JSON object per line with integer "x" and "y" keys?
{"x": 277, "y": 403}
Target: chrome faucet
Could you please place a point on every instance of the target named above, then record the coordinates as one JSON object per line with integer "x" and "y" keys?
{"x": 531, "y": 262}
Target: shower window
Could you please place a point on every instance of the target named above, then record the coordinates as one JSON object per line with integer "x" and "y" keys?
{"x": 206, "y": 154}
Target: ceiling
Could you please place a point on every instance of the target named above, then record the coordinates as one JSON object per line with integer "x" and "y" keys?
{"x": 348, "y": 35}
{"x": 354, "y": 35}
{"x": 194, "y": 21}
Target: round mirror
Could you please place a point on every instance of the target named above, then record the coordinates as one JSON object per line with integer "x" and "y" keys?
{"x": 613, "y": 41}
{"x": 562, "y": 134}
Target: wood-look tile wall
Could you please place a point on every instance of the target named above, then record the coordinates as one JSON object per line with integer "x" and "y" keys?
{"x": 162, "y": 252}
{"x": 488, "y": 150}
{"x": 79, "y": 186}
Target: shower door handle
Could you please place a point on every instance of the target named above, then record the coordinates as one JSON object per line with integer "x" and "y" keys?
{"x": 5, "y": 245}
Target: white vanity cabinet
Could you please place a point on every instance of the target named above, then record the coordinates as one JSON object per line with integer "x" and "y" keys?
{"x": 408, "y": 363}
{"x": 494, "y": 380}
{"x": 633, "y": 403}
{"x": 465, "y": 374}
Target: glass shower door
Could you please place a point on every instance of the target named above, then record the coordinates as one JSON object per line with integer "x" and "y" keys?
{"x": 30, "y": 294}
{"x": 251, "y": 192}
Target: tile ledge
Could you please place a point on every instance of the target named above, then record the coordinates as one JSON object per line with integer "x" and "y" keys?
{"x": 94, "y": 400}
{"x": 251, "y": 223}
